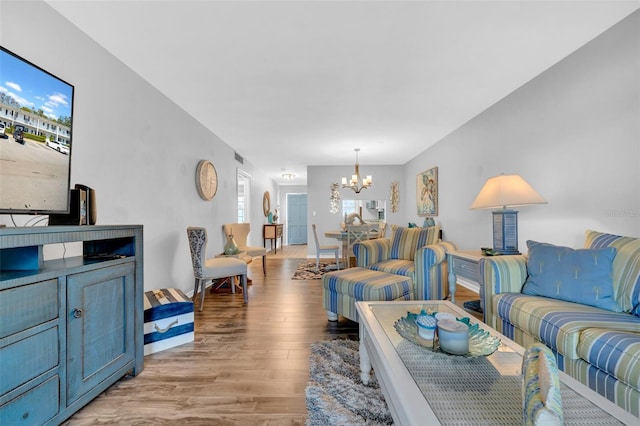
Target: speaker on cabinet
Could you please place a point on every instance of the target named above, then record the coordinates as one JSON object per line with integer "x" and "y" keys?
{"x": 82, "y": 209}
{"x": 92, "y": 211}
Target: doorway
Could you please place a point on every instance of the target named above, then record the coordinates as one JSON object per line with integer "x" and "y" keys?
{"x": 296, "y": 219}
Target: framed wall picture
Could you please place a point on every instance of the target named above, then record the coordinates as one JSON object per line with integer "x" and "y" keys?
{"x": 427, "y": 192}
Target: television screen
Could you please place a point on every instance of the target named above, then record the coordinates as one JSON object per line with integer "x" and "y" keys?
{"x": 36, "y": 110}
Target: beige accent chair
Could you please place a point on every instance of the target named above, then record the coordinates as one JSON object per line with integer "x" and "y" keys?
{"x": 324, "y": 249}
{"x": 240, "y": 232}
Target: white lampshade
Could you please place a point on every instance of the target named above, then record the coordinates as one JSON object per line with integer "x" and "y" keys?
{"x": 501, "y": 192}
{"x": 506, "y": 191}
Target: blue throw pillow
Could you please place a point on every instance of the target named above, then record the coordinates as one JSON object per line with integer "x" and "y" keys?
{"x": 582, "y": 276}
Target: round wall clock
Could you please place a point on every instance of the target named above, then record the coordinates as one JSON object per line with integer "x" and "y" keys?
{"x": 206, "y": 180}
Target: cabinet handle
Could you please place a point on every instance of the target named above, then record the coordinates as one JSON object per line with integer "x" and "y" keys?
{"x": 77, "y": 313}
{"x": 164, "y": 330}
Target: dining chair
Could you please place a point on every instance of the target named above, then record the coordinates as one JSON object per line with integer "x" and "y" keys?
{"x": 356, "y": 234}
{"x": 324, "y": 249}
{"x": 383, "y": 230}
{"x": 240, "y": 233}
{"x": 205, "y": 270}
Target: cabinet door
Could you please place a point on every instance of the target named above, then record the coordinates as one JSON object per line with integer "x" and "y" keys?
{"x": 100, "y": 326}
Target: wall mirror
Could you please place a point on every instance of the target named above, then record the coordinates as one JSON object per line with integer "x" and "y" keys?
{"x": 371, "y": 211}
{"x": 266, "y": 203}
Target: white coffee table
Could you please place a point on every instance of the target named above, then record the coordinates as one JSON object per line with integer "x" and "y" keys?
{"x": 422, "y": 387}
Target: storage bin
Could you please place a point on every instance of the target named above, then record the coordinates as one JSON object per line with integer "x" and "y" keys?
{"x": 168, "y": 319}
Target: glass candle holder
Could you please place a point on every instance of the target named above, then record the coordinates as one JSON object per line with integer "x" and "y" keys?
{"x": 426, "y": 326}
{"x": 453, "y": 336}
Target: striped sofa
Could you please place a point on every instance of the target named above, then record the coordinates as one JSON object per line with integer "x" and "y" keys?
{"x": 416, "y": 253}
{"x": 598, "y": 347}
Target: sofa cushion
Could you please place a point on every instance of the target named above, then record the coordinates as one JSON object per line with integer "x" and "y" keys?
{"x": 582, "y": 276}
{"x": 558, "y": 323}
{"x": 406, "y": 268}
{"x": 615, "y": 352}
{"x": 626, "y": 267}
{"x": 405, "y": 241}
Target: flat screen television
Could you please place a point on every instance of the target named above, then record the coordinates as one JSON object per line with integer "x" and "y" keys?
{"x": 36, "y": 117}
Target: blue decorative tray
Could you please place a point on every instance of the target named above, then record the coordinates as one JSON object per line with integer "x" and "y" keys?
{"x": 481, "y": 342}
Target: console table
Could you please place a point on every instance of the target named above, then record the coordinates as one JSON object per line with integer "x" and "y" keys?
{"x": 70, "y": 327}
{"x": 272, "y": 232}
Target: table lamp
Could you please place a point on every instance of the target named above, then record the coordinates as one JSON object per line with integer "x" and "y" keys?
{"x": 502, "y": 192}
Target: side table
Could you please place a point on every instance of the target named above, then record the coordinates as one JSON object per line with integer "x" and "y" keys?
{"x": 464, "y": 264}
{"x": 272, "y": 232}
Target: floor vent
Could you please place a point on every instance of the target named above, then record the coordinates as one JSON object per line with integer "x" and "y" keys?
{"x": 239, "y": 158}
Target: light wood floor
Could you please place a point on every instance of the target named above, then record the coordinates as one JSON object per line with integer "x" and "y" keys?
{"x": 247, "y": 366}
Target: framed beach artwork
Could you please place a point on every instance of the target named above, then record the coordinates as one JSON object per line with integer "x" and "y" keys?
{"x": 427, "y": 192}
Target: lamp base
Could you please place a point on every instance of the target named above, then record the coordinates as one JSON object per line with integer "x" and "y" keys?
{"x": 505, "y": 232}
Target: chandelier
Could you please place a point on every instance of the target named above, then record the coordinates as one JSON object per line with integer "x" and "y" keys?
{"x": 354, "y": 183}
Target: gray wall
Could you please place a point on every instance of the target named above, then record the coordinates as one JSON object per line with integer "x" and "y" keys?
{"x": 319, "y": 180}
{"x": 573, "y": 133}
{"x": 134, "y": 146}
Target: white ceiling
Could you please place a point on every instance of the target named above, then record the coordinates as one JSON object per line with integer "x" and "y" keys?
{"x": 295, "y": 83}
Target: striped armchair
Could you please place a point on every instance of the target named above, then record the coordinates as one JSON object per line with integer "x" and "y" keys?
{"x": 598, "y": 347}
{"x": 416, "y": 253}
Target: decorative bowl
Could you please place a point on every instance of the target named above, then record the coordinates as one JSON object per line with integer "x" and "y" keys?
{"x": 481, "y": 342}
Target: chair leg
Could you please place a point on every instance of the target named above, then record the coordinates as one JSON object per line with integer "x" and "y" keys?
{"x": 264, "y": 264}
{"x": 317, "y": 261}
{"x": 195, "y": 289}
{"x": 203, "y": 284}
{"x": 243, "y": 277}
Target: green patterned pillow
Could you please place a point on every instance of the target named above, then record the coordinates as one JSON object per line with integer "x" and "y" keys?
{"x": 405, "y": 241}
{"x": 541, "y": 395}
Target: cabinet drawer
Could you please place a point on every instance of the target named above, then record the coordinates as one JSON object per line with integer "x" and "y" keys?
{"x": 28, "y": 358}
{"x": 466, "y": 269}
{"x": 27, "y": 306}
{"x": 34, "y": 407}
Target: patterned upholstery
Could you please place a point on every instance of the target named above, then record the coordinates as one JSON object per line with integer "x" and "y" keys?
{"x": 371, "y": 252}
{"x": 607, "y": 385}
{"x": 626, "y": 267}
{"x": 557, "y": 323}
{"x": 427, "y": 267}
{"x": 405, "y": 241}
{"x": 600, "y": 348}
{"x": 398, "y": 267}
{"x": 197, "y": 245}
{"x": 616, "y": 353}
{"x": 341, "y": 289}
{"x": 541, "y": 396}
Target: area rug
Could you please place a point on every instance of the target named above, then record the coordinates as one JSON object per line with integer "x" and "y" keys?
{"x": 308, "y": 271}
{"x": 335, "y": 394}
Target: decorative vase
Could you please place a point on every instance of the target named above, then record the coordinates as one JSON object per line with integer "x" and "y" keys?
{"x": 270, "y": 218}
{"x": 230, "y": 247}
